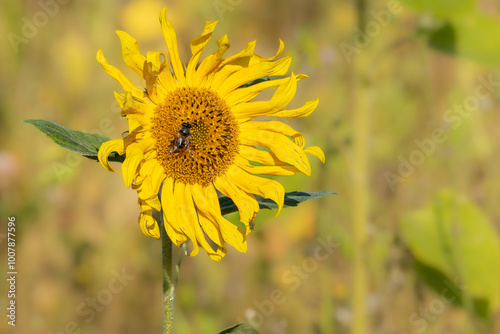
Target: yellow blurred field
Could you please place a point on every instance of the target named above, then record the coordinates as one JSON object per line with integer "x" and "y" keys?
{"x": 400, "y": 123}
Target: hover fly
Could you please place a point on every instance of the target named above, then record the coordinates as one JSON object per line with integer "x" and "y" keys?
{"x": 182, "y": 139}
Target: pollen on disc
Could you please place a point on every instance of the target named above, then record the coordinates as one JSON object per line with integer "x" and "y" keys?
{"x": 208, "y": 148}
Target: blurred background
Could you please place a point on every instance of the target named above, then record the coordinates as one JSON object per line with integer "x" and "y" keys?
{"x": 409, "y": 121}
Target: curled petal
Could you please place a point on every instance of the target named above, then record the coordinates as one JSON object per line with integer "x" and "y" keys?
{"x": 115, "y": 145}
{"x": 148, "y": 224}
{"x": 316, "y": 151}
{"x": 257, "y": 58}
{"x": 130, "y": 52}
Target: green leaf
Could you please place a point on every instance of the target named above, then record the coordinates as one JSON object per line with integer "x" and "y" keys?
{"x": 442, "y": 8}
{"x": 242, "y": 328}
{"x": 86, "y": 144}
{"x": 474, "y": 37}
{"x": 449, "y": 290}
{"x": 291, "y": 199}
{"x": 453, "y": 236}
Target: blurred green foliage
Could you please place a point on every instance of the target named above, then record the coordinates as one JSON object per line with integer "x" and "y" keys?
{"x": 453, "y": 236}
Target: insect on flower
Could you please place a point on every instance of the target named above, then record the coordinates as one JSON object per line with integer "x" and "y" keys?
{"x": 182, "y": 139}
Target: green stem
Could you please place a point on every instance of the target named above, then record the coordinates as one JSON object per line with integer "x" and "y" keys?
{"x": 168, "y": 281}
{"x": 360, "y": 173}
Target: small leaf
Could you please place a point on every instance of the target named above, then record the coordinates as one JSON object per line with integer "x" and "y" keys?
{"x": 293, "y": 198}
{"x": 242, "y": 328}
{"x": 86, "y": 144}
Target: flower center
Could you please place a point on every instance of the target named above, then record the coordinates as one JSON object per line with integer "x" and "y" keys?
{"x": 196, "y": 135}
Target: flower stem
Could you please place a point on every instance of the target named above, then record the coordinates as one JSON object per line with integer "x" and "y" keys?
{"x": 168, "y": 281}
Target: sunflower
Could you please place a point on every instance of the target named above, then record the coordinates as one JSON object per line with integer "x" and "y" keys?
{"x": 191, "y": 136}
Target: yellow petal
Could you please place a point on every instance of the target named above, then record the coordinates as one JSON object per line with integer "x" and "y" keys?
{"x": 147, "y": 189}
{"x": 173, "y": 52}
{"x": 226, "y": 67}
{"x": 281, "y": 98}
{"x": 115, "y": 145}
{"x": 154, "y": 62}
{"x": 303, "y": 111}
{"x": 133, "y": 106}
{"x": 316, "y": 151}
{"x": 145, "y": 141}
{"x": 218, "y": 78}
{"x": 246, "y": 203}
{"x": 197, "y": 46}
{"x": 117, "y": 75}
{"x": 209, "y": 225}
{"x": 165, "y": 81}
{"x": 210, "y": 62}
{"x": 130, "y": 52}
{"x": 171, "y": 220}
{"x": 147, "y": 167}
{"x": 245, "y": 54}
{"x": 148, "y": 224}
{"x": 265, "y": 170}
{"x": 264, "y": 157}
{"x": 157, "y": 176}
{"x": 207, "y": 203}
{"x": 154, "y": 203}
{"x": 190, "y": 225}
{"x": 134, "y": 157}
{"x": 257, "y": 58}
{"x": 285, "y": 149}
{"x": 133, "y": 124}
{"x": 257, "y": 185}
{"x": 252, "y": 72}
{"x": 276, "y": 126}
{"x": 245, "y": 94}
{"x": 151, "y": 74}
{"x": 186, "y": 214}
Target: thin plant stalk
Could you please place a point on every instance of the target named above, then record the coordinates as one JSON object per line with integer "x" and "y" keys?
{"x": 168, "y": 280}
{"x": 360, "y": 173}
